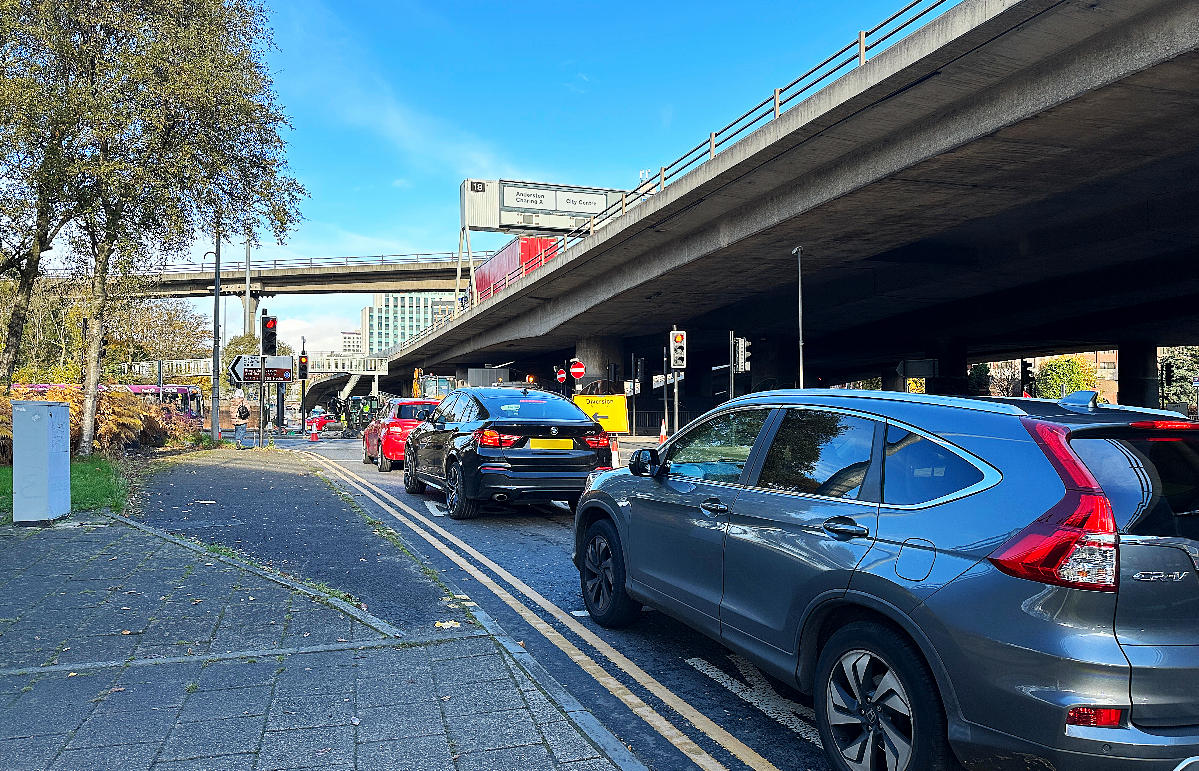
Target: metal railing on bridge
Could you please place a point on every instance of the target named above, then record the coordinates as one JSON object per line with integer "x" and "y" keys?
{"x": 847, "y": 58}
{"x": 203, "y": 266}
{"x": 170, "y": 368}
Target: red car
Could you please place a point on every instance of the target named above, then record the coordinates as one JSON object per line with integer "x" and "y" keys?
{"x": 383, "y": 439}
{"x": 318, "y": 422}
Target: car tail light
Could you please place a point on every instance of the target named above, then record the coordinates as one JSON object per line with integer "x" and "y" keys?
{"x": 1165, "y": 425}
{"x": 598, "y": 441}
{"x": 1098, "y": 717}
{"x": 492, "y": 438}
{"x": 1074, "y": 543}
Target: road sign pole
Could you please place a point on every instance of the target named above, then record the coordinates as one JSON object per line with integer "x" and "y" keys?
{"x": 676, "y": 395}
{"x": 261, "y": 388}
{"x": 732, "y": 363}
{"x": 215, "y": 417}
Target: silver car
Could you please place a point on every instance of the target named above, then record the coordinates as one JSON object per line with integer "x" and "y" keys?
{"x": 1000, "y": 583}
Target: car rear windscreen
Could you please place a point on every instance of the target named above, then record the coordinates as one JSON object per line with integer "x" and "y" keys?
{"x": 408, "y": 411}
{"x": 532, "y": 407}
{"x": 1152, "y": 482}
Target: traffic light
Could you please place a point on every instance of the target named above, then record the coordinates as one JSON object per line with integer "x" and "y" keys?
{"x": 1025, "y": 376}
{"x": 741, "y": 354}
{"x": 302, "y": 368}
{"x": 678, "y": 349}
{"x": 1168, "y": 373}
{"x": 103, "y": 346}
{"x": 270, "y": 336}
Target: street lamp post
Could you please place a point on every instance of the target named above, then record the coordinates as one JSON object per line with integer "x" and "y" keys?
{"x": 798, "y": 252}
{"x": 216, "y": 340}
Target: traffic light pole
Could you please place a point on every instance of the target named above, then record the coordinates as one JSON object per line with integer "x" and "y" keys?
{"x": 732, "y": 362}
{"x": 675, "y": 372}
{"x": 261, "y": 386}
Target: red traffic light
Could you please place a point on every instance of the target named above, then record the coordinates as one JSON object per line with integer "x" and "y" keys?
{"x": 271, "y": 322}
{"x": 303, "y": 359}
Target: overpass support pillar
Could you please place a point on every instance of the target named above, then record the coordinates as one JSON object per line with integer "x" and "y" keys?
{"x": 1138, "y": 374}
{"x": 597, "y": 353}
{"x": 892, "y": 381}
{"x": 951, "y": 368}
{"x": 250, "y": 313}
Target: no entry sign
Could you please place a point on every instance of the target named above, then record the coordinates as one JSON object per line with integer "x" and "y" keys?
{"x": 561, "y": 376}
{"x": 577, "y": 370}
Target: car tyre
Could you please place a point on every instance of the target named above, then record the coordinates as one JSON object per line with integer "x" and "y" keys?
{"x": 412, "y": 485}
{"x": 366, "y": 457}
{"x": 457, "y": 505}
{"x": 384, "y": 461}
{"x": 602, "y": 577}
{"x": 572, "y": 503}
{"x": 875, "y": 696}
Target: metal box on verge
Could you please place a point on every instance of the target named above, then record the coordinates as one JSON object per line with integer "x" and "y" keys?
{"x": 41, "y": 466}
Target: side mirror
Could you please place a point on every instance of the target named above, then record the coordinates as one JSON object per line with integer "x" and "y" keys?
{"x": 644, "y": 463}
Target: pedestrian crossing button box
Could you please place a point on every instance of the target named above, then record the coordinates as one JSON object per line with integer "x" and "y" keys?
{"x": 41, "y": 467}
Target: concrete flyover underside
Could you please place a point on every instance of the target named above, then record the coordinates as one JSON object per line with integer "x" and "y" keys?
{"x": 320, "y": 279}
{"x": 1018, "y": 176}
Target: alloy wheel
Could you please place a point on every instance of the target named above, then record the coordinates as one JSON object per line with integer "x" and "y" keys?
{"x": 453, "y": 478}
{"x": 869, "y": 713}
{"x": 597, "y": 572}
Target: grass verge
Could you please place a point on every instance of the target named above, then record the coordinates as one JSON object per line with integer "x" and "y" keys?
{"x": 96, "y": 483}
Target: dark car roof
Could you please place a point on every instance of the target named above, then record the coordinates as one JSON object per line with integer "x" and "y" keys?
{"x": 493, "y": 391}
{"x": 1038, "y": 408}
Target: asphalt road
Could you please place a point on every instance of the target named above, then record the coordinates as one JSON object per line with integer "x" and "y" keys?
{"x": 534, "y": 544}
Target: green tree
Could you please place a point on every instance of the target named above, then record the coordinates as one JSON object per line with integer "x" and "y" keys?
{"x": 176, "y": 132}
{"x": 1185, "y": 360}
{"x": 1071, "y": 373}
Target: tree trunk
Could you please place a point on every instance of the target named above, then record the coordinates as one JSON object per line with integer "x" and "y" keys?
{"x": 20, "y": 313}
{"x": 97, "y": 307}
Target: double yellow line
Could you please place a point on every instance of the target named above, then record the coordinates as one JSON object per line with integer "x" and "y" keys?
{"x": 440, "y": 539}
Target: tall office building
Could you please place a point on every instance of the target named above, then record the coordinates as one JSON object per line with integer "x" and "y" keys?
{"x": 395, "y": 318}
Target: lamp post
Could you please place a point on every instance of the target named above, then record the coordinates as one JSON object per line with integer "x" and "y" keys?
{"x": 215, "y": 415}
{"x": 798, "y": 252}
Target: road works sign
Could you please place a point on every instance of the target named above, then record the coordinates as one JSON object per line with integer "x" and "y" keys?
{"x": 247, "y": 369}
{"x": 611, "y": 412}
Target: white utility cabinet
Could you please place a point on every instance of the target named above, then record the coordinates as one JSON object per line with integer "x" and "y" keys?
{"x": 41, "y": 465}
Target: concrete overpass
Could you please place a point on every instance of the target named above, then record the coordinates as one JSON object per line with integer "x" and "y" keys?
{"x": 318, "y": 275}
{"x": 1016, "y": 177}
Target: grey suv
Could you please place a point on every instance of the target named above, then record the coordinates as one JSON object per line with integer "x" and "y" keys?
{"x": 1004, "y": 583}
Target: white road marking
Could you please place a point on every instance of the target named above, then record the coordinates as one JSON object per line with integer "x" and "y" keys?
{"x": 434, "y": 509}
{"x": 580, "y": 613}
{"x": 757, "y": 691}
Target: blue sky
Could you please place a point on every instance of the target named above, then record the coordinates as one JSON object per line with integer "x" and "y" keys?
{"x": 394, "y": 104}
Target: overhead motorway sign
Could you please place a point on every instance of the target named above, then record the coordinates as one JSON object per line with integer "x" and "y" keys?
{"x": 508, "y": 206}
{"x": 247, "y": 369}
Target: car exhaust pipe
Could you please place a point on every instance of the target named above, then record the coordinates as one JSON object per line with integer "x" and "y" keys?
{"x": 499, "y": 497}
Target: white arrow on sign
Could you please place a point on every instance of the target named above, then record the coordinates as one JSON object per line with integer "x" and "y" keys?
{"x": 247, "y": 369}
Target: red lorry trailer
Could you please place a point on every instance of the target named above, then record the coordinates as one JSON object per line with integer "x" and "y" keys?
{"x": 519, "y": 257}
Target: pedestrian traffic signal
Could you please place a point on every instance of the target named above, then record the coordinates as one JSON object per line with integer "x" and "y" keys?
{"x": 270, "y": 339}
{"x": 1025, "y": 376}
{"x": 741, "y": 354}
{"x": 678, "y": 349}
{"x": 302, "y": 369}
{"x": 1168, "y": 373}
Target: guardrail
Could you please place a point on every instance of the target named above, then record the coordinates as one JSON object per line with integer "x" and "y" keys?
{"x": 188, "y": 266}
{"x": 170, "y": 367}
{"x": 849, "y": 57}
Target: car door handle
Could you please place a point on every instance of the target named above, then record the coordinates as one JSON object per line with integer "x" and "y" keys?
{"x": 845, "y": 527}
{"x": 714, "y": 505}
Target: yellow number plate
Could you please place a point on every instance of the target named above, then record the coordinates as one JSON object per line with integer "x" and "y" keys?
{"x": 552, "y": 444}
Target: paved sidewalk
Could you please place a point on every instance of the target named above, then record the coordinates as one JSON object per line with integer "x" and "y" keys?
{"x": 120, "y": 649}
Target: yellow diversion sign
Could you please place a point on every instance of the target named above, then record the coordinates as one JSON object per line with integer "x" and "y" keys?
{"x": 611, "y": 412}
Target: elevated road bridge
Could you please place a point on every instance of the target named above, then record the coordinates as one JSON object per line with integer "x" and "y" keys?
{"x": 1014, "y": 177}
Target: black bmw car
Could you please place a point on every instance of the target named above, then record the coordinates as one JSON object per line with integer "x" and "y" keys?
{"x": 508, "y": 445}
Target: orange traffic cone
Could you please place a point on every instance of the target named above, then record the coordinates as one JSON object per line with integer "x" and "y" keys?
{"x": 662, "y": 433}
{"x": 615, "y": 448}
{"x": 315, "y": 437}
